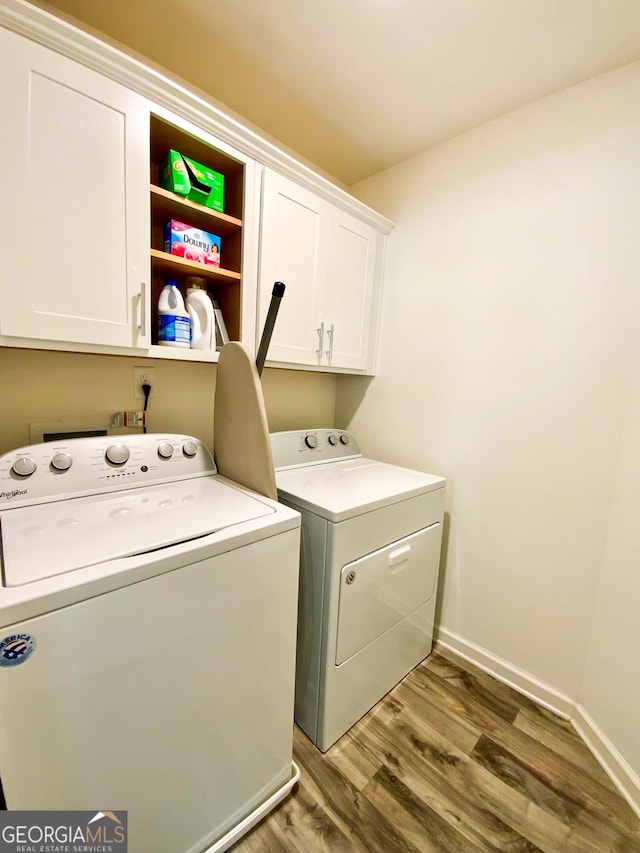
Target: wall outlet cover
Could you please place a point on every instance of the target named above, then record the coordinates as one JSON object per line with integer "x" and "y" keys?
{"x": 143, "y": 376}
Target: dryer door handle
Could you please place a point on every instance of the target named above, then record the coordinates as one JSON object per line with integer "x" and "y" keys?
{"x": 399, "y": 556}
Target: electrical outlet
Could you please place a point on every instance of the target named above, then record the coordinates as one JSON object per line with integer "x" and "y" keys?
{"x": 143, "y": 376}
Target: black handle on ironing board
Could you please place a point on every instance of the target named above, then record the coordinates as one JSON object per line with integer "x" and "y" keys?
{"x": 276, "y": 295}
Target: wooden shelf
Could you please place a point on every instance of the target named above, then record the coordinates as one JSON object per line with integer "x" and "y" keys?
{"x": 157, "y": 351}
{"x": 168, "y": 205}
{"x": 165, "y": 136}
{"x": 168, "y": 265}
{"x": 223, "y": 283}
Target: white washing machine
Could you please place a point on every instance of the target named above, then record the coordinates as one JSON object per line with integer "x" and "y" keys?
{"x": 147, "y": 639}
{"x": 371, "y": 537}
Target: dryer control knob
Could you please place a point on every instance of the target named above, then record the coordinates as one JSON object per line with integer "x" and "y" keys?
{"x": 332, "y": 440}
{"x": 165, "y": 451}
{"x": 311, "y": 441}
{"x": 344, "y": 438}
{"x": 190, "y": 448}
{"x": 117, "y": 454}
{"x": 61, "y": 462}
{"x": 24, "y": 466}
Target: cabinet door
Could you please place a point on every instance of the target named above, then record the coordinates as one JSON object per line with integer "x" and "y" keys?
{"x": 290, "y": 251}
{"x": 74, "y": 213}
{"x": 349, "y": 290}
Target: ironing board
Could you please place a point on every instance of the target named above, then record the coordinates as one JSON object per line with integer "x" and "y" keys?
{"x": 242, "y": 449}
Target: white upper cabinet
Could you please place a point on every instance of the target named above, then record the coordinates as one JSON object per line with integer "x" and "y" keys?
{"x": 354, "y": 250}
{"x": 74, "y": 213}
{"x": 291, "y": 251}
{"x": 85, "y": 130}
{"x": 330, "y": 262}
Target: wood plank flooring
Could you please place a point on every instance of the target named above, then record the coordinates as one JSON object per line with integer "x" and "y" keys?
{"x": 451, "y": 761}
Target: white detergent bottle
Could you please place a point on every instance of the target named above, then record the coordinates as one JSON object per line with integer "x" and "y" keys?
{"x": 200, "y": 310}
{"x": 174, "y": 326}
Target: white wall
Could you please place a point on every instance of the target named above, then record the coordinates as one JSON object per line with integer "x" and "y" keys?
{"x": 512, "y": 305}
{"x": 610, "y": 692}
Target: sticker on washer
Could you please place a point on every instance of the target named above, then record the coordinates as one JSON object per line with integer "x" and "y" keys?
{"x": 16, "y": 649}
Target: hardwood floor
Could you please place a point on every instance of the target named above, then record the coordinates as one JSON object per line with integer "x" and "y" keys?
{"x": 451, "y": 760}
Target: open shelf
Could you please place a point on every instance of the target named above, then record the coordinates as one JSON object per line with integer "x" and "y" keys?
{"x": 224, "y": 283}
{"x": 171, "y": 265}
{"x": 157, "y": 351}
{"x": 168, "y": 205}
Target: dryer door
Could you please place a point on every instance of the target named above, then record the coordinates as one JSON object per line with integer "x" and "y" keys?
{"x": 377, "y": 591}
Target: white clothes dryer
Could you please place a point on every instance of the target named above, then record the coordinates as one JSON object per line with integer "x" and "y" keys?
{"x": 147, "y": 639}
{"x": 370, "y": 551}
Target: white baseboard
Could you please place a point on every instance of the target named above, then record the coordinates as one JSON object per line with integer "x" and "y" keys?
{"x": 621, "y": 774}
{"x": 506, "y": 672}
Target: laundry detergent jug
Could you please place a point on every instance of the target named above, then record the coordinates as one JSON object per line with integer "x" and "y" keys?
{"x": 174, "y": 326}
{"x": 201, "y": 314}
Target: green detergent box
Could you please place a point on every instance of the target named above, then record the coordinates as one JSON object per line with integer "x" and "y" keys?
{"x": 192, "y": 180}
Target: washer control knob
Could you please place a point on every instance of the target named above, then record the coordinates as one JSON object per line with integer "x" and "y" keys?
{"x": 190, "y": 448}
{"x": 117, "y": 454}
{"x": 332, "y": 440}
{"x": 344, "y": 439}
{"x": 61, "y": 462}
{"x": 311, "y": 441}
{"x": 165, "y": 451}
{"x": 24, "y": 466}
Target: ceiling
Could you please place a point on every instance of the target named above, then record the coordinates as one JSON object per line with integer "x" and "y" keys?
{"x": 356, "y": 86}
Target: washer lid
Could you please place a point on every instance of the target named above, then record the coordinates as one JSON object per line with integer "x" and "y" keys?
{"x": 50, "y": 539}
{"x": 341, "y": 490}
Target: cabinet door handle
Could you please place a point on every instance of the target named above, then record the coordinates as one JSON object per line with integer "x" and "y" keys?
{"x": 143, "y": 309}
{"x": 330, "y": 350}
{"x": 320, "y": 331}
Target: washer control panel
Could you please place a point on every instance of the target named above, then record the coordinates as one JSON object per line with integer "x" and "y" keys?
{"x": 78, "y": 466}
{"x": 306, "y": 447}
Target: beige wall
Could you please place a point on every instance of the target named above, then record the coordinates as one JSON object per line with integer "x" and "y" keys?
{"x": 508, "y": 352}
{"x": 38, "y": 386}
